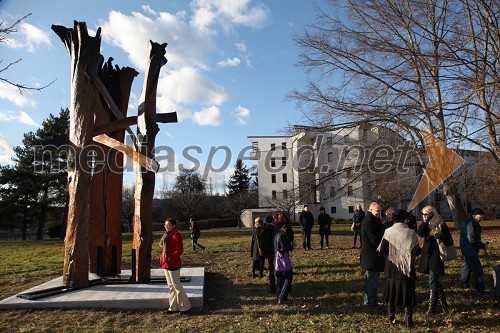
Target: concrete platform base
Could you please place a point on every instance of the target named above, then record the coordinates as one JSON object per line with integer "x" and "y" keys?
{"x": 152, "y": 295}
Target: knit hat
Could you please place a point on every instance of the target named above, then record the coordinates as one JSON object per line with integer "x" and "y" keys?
{"x": 399, "y": 215}
{"x": 477, "y": 211}
{"x": 269, "y": 219}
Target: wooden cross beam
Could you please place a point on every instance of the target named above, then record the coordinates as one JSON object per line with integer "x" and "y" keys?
{"x": 148, "y": 163}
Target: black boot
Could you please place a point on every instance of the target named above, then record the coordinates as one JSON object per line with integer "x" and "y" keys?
{"x": 442, "y": 300}
{"x": 391, "y": 310}
{"x": 254, "y": 267}
{"x": 432, "y": 303}
{"x": 409, "y": 316}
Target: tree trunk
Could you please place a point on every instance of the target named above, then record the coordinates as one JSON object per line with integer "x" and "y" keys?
{"x": 43, "y": 213}
{"x": 145, "y": 180}
{"x": 84, "y": 53}
{"x": 456, "y": 207}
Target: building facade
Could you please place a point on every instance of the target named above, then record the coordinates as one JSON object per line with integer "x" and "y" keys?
{"x": 336, "y": 169}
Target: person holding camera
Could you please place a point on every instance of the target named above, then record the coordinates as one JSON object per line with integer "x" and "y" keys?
{"x": 432, "y": 229}
{"x": 470, "y": 244}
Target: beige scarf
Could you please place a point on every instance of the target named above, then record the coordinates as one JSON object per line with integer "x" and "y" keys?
{"x": 401, "y": 240}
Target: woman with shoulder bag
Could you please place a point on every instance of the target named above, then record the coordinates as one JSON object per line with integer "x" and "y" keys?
{"x": 433, "y": 229}
{"x": 283, "y": 264}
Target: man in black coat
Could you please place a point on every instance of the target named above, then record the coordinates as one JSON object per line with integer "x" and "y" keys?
{"x": 306, "y": 221}
{"x": 372, "y": 261}
{"x": 266, "y": 245}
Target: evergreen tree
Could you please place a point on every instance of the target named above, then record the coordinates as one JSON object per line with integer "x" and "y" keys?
{"x": 240, "y": 180}
{"x": 38, "y": 178}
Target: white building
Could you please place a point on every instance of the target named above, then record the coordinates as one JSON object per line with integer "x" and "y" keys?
{"x": 336, "y": 169}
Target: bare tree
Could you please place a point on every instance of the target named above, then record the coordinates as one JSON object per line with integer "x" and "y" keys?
{"x": 4, "y": 32}
{"x": 398, "y": 64}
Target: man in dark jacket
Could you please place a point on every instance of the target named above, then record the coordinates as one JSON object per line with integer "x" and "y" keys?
{"x": 306, "y": 221}
{"x": 267, "y": 248}
{"x": 470, "y": 244}
{"x": 372, "y": 261}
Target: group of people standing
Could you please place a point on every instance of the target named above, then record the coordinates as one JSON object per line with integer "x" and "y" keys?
{"x": 394, "y": 249}
{"x": 272, "y": 241}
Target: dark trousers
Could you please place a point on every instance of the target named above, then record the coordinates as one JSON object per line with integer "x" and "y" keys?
{"x": 473, "y": 265}
{"x": 306, "y": 239}
{"x": 326, "y": 238}
{"x": 272, "y": 279}
{"x": 284, "y": 285}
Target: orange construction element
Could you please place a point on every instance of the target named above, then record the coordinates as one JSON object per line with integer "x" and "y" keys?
{"x": 442, "y": 163}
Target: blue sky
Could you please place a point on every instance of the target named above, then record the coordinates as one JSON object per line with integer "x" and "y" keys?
{"x": 230, "y": 66}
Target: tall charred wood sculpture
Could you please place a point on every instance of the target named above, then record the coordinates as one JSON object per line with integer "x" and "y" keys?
{"x": 145, "y": 179}
{"x": 105, "y": 234}
{"x": 84, "y": 53}
{"x": 99, "y": 101}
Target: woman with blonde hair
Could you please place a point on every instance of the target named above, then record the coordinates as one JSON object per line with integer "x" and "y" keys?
{"x": 432, "y": 229}
{"x": 255, "y": 251}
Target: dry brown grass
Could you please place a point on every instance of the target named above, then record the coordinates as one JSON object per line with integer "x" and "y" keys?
{"x": 326, "y": 292}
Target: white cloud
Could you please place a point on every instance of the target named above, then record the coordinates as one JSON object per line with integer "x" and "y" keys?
{"x": 5, "y": 145}
{"x": 22, "y": 118}
{"x": 242, "y": 114}
{"x": 148, "y": 10}
{"x": 29, "y": 38}
{"x": 210, "y": 116}
{"x": 132, "y": 33}
{"x": 229, "y": 62}
{"x": 12, "y": 94}
{"x": 241, "y": 47}
{"x": 209, "y": 14}
{"x": 188, "y": 86}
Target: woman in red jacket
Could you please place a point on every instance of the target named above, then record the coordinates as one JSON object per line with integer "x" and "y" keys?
{"x": 171, "y": 242}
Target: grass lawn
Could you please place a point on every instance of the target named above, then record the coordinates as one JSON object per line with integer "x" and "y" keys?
{"x": 326, "y": 291}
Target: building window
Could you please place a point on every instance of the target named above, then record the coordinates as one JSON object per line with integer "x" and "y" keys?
{"x": 350, "y": 192}
{"x": 273, "y": 178}
{"x": 285, "y": 178}
{"x": 283, "y": 161}
{"x": 273, "y": 162}
{"x": 273, "y": 146}
{"x": 351, "y": 209}
{"x": 285, "y": 194}
{"x": 348, "y": 173}
{"x": 333, "y": 210}
{"x": 346, "y": 153}
{"x": 346, "y": 138}
{"x": 283, "y": 145}
{"x": 332, "y": 191}
{"x": 255, "y": 146}
{"x": 330, "y": 157}
{"x": 273, "y": 195}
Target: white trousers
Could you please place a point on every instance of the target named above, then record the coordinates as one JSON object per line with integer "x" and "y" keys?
{"x": 177, "y": 298}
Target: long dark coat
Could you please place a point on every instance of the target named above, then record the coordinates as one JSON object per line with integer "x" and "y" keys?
{"x": 371, "y": 236}
{"x": 429, "y": 259}
{"x": 254, "y": 248}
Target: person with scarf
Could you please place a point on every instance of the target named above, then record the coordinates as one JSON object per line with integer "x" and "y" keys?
{"x": 432, "y": 229}
{"x": 255, "y": 250}
{"x": 401, "y": 244}
{"x": 170, "y": 261}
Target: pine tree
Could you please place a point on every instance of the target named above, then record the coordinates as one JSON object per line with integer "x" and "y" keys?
{"x": 240, "y": 180}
